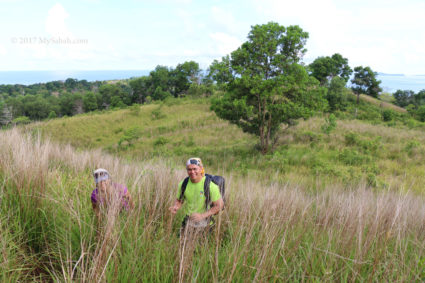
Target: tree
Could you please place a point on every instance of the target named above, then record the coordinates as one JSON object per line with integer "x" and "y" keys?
{"x": 184, "y": 75}
{"x": 337, "y": 94}
{"x": 404, "y": 97}
{"x": 266, "y": 85}
{"x": 365, "y": 81}
{"x": 140, "y": 87}
{"x": 419, "y": 98}
{"x": 326, "y": 68}
{"x": 89, "y": 102}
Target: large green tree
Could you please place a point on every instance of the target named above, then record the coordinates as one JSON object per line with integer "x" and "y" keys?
{"x": 326, "y": 68}
{"x": 265, "y": 84}
{"x": 365, "y": 81}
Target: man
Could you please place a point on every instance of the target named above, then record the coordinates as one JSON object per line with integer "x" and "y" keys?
{"x": 197, "y": 213}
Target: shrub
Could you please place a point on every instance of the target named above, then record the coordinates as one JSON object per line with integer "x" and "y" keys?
{"x": 330, "y": 124}
{"x": 388, "y": 115}
{"x": 21, "y": 120}
{"x": 160, "y": 141}
{"x": 135, "y": 109}
{"x": 157, "y": 113}
{"x": 131, "y": 135}
{"x": 353, "y": 157}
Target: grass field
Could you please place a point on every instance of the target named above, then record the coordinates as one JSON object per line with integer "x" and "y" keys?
{"x": 343, "y": 206}
{"x": 266, "y": 233}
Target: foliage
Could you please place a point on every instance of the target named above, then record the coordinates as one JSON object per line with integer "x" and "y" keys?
{"x": 130, "y": 136}
{"x": 388, "y": 115}
{"x": 89, "y": 101}
{"x": 403, "y": 97}
{"x": 135, "y": 110}
{"x": 52, "y": 115}
{"x": 267, "y": 87}
{"x": 157, "y": 113}
{"x": 324, "y": 69}
{"x": 337, "y": 95}
{"x": 330, "y": 124}
{"x": 365, "y": 81}
{"x": 21, "y": 120}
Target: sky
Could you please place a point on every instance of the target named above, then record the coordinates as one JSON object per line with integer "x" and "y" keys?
{"x": 387, "y": 35}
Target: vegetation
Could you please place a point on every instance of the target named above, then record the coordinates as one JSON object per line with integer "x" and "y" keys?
{"x": 178, "y": 128}
{"x": 324, "y": 69}
{"x": 339, "y": 198}
{"x": 265, "y": 84}
{"x": 365, "y": 81}
{"x": 268, "y": 231}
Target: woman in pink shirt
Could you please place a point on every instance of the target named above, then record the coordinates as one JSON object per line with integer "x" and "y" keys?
{"x": 108, "y": 194}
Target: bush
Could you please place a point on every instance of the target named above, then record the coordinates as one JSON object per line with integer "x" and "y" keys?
{"x": 388, "y": 115}
{"x": 330, "y": 124}
{"x": 160, "y": 141}
{"x": 135, "y": 109}
{"x": 353, "y": 157}
{"x": 21, "y": 120}
{"x": 157, "y": 113}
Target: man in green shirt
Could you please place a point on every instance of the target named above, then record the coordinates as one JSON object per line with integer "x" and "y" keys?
{"x": 197, "y": 214}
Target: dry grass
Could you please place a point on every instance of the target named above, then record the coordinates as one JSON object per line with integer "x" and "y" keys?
{"x": 266, "y": 233}
{"x": 382, "y": 104}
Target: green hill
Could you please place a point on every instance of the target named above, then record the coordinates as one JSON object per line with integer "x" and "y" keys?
{"x": 321, "y": 207}
{"x": 382, "y": 154}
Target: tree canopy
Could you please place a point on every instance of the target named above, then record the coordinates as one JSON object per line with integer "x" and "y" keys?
{"x": 265, "y": 84}
{"x": 365, "y": 81}
{"x": 326, "y": 68}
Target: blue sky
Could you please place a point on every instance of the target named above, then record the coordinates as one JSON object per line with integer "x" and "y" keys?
{"x": 387, "y": 35}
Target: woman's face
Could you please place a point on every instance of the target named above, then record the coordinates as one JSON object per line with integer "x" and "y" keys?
{"x": 103, "y": 185}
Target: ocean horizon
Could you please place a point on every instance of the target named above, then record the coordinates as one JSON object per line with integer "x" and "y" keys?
{"x": 35, "y": 77}
{"x": 389, "y": 82}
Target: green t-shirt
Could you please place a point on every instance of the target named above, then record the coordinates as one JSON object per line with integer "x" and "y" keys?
{"x": 194, "y": 199}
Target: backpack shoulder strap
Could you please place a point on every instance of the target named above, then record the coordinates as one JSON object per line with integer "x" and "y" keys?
{"x": 207, "y": 190}
{"x": 183, "y": 189}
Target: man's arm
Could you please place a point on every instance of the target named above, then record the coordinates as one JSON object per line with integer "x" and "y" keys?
{"x": 217, "y": 206}
{"x": 177, "y": 205}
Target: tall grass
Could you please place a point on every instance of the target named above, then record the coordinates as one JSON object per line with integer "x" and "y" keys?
{"x": 268, "y": 231}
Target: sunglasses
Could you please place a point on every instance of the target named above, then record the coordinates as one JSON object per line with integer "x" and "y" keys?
{"x": 100, "y": 174}
{"x": 194, "y": 162}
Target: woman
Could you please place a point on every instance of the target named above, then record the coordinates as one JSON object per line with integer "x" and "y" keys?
{"x": 108, "y": 194}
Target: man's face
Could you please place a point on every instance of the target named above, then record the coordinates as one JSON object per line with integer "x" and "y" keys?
{"x": 194, "y": 172}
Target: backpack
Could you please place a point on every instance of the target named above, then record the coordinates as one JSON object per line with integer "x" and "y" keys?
{"x": 218, "y": 180}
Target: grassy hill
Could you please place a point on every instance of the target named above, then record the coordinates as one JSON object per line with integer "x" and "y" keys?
{"x": 382, "y": 154}
{"x": 269, "y": 231}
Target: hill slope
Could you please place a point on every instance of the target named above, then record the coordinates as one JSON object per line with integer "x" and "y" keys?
{"x": 384, "y": 155}
{"x": 266, "y": 233}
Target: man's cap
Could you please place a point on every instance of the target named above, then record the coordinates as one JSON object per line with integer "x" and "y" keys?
{"x": 195, "y": 161}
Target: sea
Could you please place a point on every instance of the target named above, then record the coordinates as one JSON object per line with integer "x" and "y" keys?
{"x": 389, "y": 82}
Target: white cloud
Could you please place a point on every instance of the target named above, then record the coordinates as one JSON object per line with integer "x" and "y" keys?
{"x": 55, "y": 21}
{"x": 385, "y": 35}
{"x": 225, "y": 43}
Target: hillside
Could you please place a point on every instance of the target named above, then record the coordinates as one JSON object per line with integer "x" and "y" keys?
{"x": 267, "y": 232}
{"x": 385, "y": 155}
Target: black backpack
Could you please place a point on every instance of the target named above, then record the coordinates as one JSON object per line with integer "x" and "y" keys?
{"x": 218, "y": 180}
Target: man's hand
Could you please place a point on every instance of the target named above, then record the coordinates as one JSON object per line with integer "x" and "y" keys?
{"x": 173, "y": 209}
{"x": 177, "y": 205}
